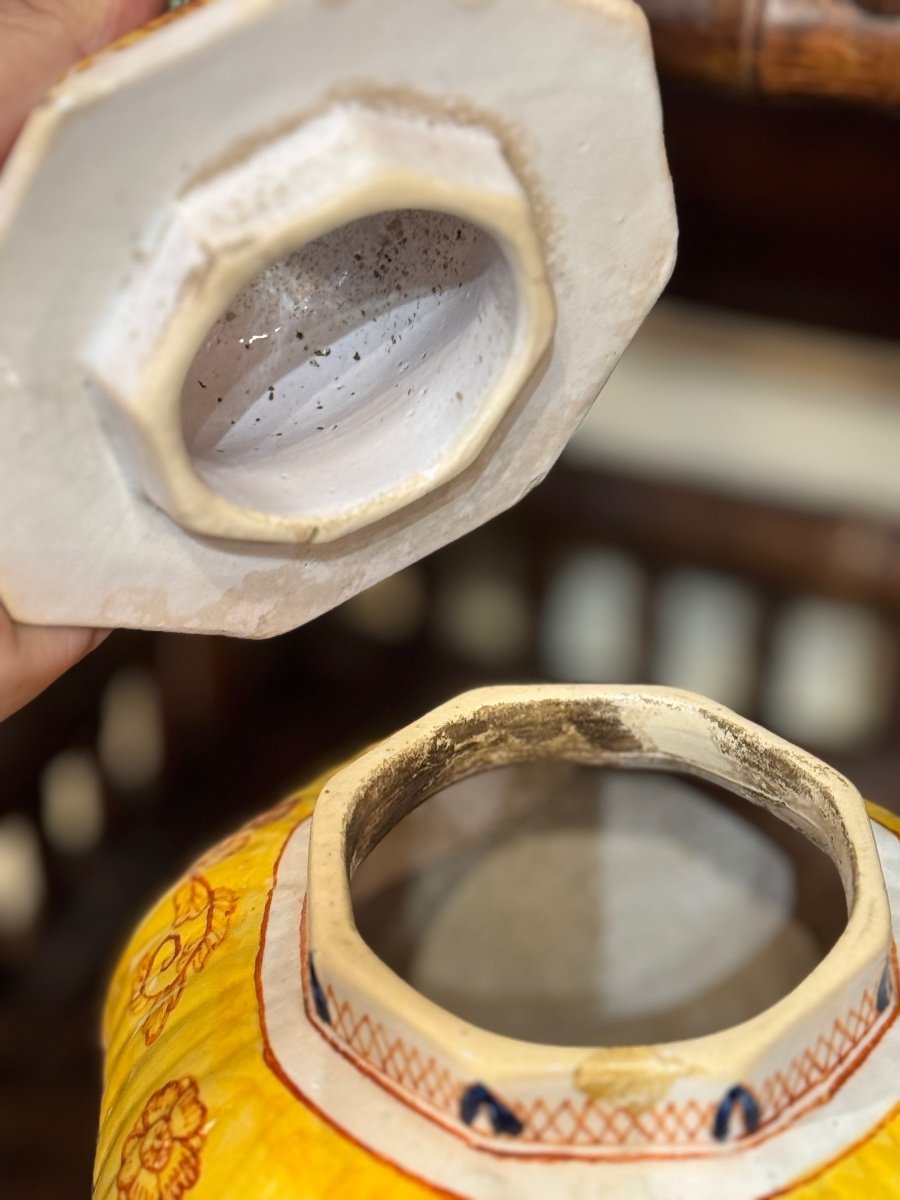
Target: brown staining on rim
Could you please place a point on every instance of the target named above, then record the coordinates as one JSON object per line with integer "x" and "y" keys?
{"x": 799, "y": 792}
{"x": 493, "y": 736}
{"x": 764, "y": 768}
{"x": 407, "y": 102}
{"x": 591, "y": 732}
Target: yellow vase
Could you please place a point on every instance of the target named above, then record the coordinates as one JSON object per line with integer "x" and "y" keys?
{"x": 256, "y": 1048}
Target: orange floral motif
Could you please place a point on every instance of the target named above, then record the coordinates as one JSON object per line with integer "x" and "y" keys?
{"x": 161, "y": 1155}
{"x": 200, "y": 922}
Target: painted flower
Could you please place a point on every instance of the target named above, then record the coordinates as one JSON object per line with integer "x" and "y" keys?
{"x": 161, "y": 1155}
{"x": 201, "y": 919}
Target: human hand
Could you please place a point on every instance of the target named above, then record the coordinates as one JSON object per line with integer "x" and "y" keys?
{"x": 32, "y": 656}
{"x": 39, "y": 41}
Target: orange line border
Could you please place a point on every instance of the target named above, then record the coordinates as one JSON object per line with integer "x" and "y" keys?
{"x": 271, "y": 1061}
{"x": 532, "y": 1151}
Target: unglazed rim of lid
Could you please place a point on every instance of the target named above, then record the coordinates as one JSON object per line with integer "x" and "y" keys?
{"x": 495, "y": 1085}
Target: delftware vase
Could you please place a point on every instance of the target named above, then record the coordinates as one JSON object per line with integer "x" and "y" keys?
{"x": 293, "y": 293}
{"x": 258, "y": 1046}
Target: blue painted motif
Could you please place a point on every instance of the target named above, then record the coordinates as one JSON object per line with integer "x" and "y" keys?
{"x": 318, "y": 995}
{"x": 884, "y": 989}
{"x": 749, "y": 1105}
{"x": 476, "y": 1097}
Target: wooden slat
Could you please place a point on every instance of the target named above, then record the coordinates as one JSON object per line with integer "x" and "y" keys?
{"x": 823, "y": 48}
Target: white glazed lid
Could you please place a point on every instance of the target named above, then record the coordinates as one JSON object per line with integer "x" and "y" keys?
{"x": 427, "y": 237}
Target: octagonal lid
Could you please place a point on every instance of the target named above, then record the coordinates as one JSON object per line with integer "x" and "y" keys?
{"x": 289, "y": 331}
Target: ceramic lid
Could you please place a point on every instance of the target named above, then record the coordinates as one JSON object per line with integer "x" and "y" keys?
{"x": 293, "y": 294}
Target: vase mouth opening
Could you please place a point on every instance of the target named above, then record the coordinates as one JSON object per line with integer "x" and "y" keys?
{"x": 568, "y": 904}
{"x": 655, "y": 729}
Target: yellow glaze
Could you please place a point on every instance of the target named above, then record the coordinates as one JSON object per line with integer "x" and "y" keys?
{"x": 190, "y": 1105}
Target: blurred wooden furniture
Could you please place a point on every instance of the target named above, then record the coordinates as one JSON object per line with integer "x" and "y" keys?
{"x": 846, "y": 49}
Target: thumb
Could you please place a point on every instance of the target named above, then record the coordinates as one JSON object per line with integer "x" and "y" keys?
{"x": 41, "y": 39}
